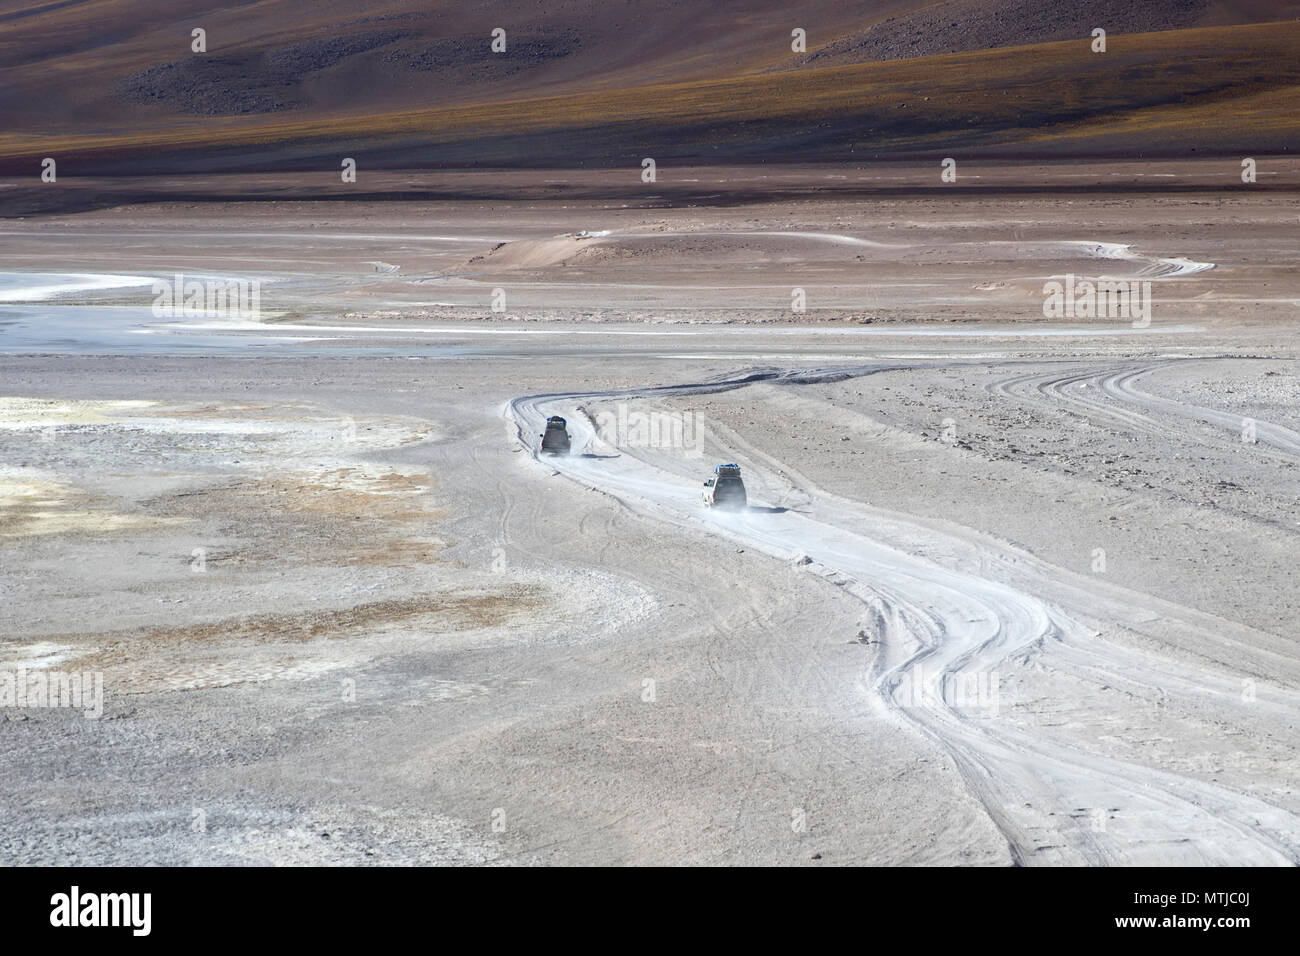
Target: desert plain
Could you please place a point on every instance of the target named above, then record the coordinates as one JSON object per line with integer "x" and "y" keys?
{"x": 1010, "y": 589}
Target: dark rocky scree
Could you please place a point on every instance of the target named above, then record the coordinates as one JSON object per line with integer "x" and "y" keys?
{"x": 269, "y": 81}
{"x": 961, "y": 26}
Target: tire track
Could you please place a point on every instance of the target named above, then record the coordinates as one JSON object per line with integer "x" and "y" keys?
{"x": 1115, "y": 395}
{"x": 949, "y": 628}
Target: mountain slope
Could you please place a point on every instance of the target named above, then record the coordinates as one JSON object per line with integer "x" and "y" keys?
{"x": 283, "y": 86}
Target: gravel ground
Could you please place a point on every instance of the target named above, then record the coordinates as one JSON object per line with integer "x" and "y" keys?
{"x": 342, "y": 614}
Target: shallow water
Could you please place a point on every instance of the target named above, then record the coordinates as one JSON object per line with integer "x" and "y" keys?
{"x": 27, "y": 286}
{"x": 32, "y": 320}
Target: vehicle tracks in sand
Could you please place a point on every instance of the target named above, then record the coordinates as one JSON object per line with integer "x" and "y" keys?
{"x": 974, "y": 610}
{"x": 1115, "y": 394}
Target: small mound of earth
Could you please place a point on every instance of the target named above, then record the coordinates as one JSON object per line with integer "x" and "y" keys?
{"x": 711, "y": 249}
{"x": 531, "y": 253}
{"x": 591, "y": 250}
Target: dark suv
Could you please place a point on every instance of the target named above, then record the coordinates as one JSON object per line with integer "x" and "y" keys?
{"x": 555, "y": 440}
{"x": 725, "y": 489}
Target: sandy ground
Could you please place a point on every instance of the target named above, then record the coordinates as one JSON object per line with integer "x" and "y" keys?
{"x": 1011, "y": 590}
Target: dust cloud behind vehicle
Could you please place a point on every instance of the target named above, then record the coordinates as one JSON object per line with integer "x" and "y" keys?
{"x": 725, "y": 489}
{"x": 555, "y": 440}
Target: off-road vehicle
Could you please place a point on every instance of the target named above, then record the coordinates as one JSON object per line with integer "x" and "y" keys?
{"x": 555, "y": 440}
{"x": 725, "y": 490}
